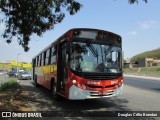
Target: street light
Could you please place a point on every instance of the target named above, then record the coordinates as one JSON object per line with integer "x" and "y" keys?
{"x": 17, "y": 65}
{"x": 17, "y": 61}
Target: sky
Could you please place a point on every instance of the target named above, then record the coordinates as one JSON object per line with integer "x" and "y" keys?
{"x": 138, "y": 25}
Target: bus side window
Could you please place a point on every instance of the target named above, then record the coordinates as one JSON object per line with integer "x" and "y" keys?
{"x": 36, "y": 62}
{"x": 47, "y": 57}
{"x": 39, "y": 61}
{"x": 42, "y": 57}
{"x": 53, "y": 55}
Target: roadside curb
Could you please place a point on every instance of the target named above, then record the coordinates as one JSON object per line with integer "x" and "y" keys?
{"x": 142, "y": 76}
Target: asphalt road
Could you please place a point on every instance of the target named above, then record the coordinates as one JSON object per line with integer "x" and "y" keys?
{"x": 139, "y": 94}
{"x": 150, "y": 84}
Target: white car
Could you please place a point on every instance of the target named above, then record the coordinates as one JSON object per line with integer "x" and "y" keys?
{"x": 24, "y": 75}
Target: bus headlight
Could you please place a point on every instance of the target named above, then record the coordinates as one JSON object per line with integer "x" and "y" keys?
{"x": 74, "y": 81}
{"x": 122, "y": 81}
{"x": 84, "y": 87}
{"x": 79, "y": 85}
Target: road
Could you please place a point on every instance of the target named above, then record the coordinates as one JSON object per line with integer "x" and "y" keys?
{"x": 142, "y": 94}
{"x": 139, "y": 94}
{"x": 152, "y": 84}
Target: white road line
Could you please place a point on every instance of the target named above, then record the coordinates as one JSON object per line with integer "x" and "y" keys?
{"x": 146, "y": 77}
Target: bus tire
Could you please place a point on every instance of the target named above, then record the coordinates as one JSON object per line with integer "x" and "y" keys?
{"x": 56, "y": 96}
{"x": 35, "y": 82}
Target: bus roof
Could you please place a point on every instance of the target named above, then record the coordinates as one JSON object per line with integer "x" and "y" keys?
{"x": 69, "y": 33}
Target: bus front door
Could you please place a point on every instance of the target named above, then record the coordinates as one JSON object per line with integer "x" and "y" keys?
{"x": 62, "y": 67}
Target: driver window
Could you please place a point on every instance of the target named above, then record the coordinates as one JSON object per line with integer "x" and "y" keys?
{"x": 114, "y": 56}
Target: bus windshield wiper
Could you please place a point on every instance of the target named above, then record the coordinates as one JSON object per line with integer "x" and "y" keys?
{"x": 92, "y": 49}
{"x": 108, "y": 50}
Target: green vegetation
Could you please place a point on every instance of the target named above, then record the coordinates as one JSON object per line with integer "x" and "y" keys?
{"x": 154, "y": 71}
{"x": 10, "y": 84}
{"x": 37, "y": 16}
{"x": 155, "y": 54}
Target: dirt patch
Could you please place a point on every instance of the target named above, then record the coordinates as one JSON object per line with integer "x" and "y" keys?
{"x": 15, "y": 99}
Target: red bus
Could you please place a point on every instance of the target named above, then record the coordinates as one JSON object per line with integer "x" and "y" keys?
{"x": 82, "y": 64}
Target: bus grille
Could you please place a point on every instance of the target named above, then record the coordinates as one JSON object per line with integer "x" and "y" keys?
{"x": 99, "y": 77}
{"x": 110, "y": 86}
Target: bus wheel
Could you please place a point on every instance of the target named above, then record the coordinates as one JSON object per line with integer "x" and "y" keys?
{"x": 54, "y": 92}
{"x": 35, "y": 82}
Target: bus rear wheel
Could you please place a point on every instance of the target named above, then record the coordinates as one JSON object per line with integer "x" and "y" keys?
{"x": 35, "y": 82}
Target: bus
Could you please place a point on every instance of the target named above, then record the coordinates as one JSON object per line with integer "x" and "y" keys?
{"x": 81, "y": 64}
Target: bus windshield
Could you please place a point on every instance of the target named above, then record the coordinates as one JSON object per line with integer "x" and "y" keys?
{"x": 95, "y": 57}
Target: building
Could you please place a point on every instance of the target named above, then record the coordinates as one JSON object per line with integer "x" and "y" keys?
{"x": 156, "y": 63}
{"x": 127, "y": 63}
{"x": 146, "y": 62}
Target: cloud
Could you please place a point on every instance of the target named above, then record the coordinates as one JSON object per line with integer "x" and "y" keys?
{"x": 148, "y": 24}
{"x": 133, "y": 33}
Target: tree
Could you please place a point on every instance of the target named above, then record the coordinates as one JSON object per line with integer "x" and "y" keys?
{"x": 133, "y": 1}
{"x": 26, "y": 17}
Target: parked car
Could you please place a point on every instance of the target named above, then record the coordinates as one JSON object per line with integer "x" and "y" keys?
{"x": 11, "y": 73}
{"x": 16, "y": 74}
{"x": 24, "y": 75}
{"x": 2, "y": 72}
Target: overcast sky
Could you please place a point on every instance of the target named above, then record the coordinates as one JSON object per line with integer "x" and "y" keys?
{"x": 139, "y": 26}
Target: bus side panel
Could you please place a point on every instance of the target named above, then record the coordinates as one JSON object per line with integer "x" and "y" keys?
{"x": 51, "y": 75}
{"x": 39, "y": 74}
{"x": 45, "y": 74}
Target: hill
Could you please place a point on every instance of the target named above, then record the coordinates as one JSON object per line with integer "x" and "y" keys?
{"x": 149, "y": 54}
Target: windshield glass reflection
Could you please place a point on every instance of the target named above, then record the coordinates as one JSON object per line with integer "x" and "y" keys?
{"x": 88, "y": 57}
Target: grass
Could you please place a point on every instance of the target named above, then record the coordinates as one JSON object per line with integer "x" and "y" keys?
{"x": 10, "y": 84}
{"x": 144, "y": 70}
{"x": 10, "y": 96}
{"x": 148, "y": 54}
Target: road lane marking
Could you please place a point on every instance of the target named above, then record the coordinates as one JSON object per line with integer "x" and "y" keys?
{"x": 146, "y": 77}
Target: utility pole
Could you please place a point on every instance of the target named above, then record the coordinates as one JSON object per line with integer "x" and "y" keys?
{"x": 17, "y": 65}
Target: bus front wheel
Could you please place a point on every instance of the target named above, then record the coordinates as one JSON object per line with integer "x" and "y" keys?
{"x": 56, "y": 96}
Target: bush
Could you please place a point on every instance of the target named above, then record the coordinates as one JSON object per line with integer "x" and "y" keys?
{"x": 8, "y": 85}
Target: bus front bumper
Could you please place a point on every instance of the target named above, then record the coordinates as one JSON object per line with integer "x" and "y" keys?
{"x": 76, "y": 93}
